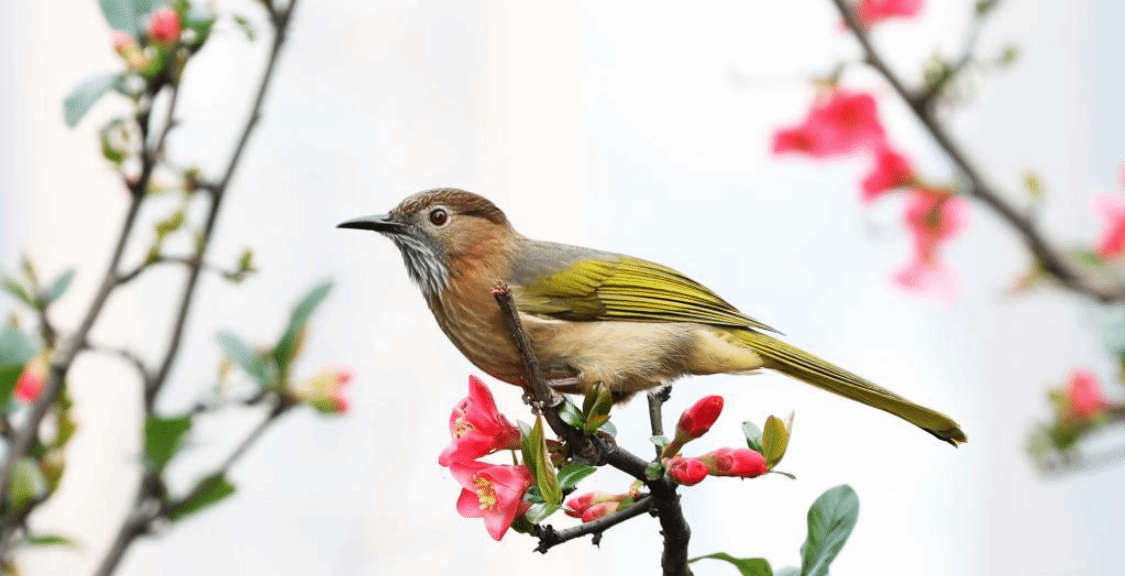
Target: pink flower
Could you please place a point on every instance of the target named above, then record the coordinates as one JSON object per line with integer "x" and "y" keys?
{"x": 741, "y": 462}
{"x": 891, "y": 170}
{"x": 871, "y": 12}
{"x": 687, "y": 471}
{"x": 477, "y": 427}
{"x": 1084, "y": 399}
{"x": 698, "y": 419}
{"x": 31, "y": 381}
{"x": 599, "y": 511}
{"x": 325, "y": 391}
{"x": 840, "y": 123}
{"x": 933, "y": 218}
{"x": 164, "y": 27}
{"x": 1111, "y": 207}
{"x": 492, "y": 492}
{"x": 123, "y": 43}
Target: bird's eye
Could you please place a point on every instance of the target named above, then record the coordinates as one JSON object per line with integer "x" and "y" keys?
{"x": 438, "y": 217}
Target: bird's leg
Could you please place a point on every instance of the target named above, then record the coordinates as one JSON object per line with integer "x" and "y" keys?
{"x": 565, "y": 384}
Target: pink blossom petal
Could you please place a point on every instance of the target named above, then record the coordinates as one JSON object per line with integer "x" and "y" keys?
{"x": 468, "y": 504}
{"x": 934, "y": 280}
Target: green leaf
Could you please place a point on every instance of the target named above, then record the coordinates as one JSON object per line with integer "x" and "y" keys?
{"x": 212, "y": 490}
{"x": 545, "y": 477}
{"x": 831, "y": 520}
{"x": 58, "y": 287}
{"x": 244, "y": 355}
{"x": 571, "y": 475}
{"x": 246, "y": 26}
{"x": 15, "y": 346}
{"x": 753, "y": 436}
{"x": 746, "y": 566}
{"x": 51, "y": 540}
{"x": 1034, "y": 185}
{"x": 539, "y": 512}
{"x": 775, "y": 440}
{"x": 286, "y": 348}
{"x": 16, "y": 289}
{"x": 789, "y": 571}
{"x": 654, "y": 471}
{"x": 985, "y": 6}
{"x": 570, "y": 414}
{"x": 608, "y": 428}
{"x": 661, "y": 441}
{"x": 163, "y": 437}
{"x": 126, "y": 15}
{"x": 200, "y": 22}
{"x": 85, "y": 95}
{"x": 27, "y": 482}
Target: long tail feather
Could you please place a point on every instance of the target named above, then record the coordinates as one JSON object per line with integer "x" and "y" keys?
{"x": 803, "y": 366}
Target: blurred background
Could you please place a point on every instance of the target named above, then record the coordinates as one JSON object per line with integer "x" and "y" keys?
{"x": 631, "y": 126}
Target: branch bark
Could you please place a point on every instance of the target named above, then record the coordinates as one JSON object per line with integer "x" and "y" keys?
{"x": 1062, "y": 268}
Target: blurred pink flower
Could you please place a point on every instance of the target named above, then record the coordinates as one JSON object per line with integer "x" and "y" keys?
{"x": 1111, "y": 208}
{"x": 839, "y": 123}
{"x": 1084, "y": 398}
{"x": 492, "y": 492}
{"x": 871, "y": 12}
{"x": 31, "y": 380}
{"x": 477, "y": 427}
{"x": 933, "y": 218}
{"x": 164, "y": 26}
{"x": 325, "y": 391}
{"x": 891, "y": 170}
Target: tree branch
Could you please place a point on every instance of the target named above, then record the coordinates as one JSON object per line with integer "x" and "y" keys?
{"x": 1053, "y": 261}
{"x": 189, "y": 261}
{"x": 549, "y": 537}
{"x": 126, "y": 355}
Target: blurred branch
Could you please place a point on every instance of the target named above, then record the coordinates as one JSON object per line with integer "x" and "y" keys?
{"x": 126, "y": 355}
{"x": 150, "y": 504}
{"x": 665, "y": 500}
{"x": 1054, "y": 262}
{"x": 189, "y": 261}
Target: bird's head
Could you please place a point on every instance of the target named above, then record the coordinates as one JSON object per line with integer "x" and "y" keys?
{"x": 435, "y": 228}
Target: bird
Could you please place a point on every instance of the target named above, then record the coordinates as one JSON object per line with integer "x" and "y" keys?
{"x": 594, "y": 317}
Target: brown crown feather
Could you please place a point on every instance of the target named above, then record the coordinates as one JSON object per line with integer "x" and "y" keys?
{"x": 459, "y": 201}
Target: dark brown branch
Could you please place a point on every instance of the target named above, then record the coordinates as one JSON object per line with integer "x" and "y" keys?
{"x": 1056, "y": 263}
{"x": 656, "y": 400}
{"x": 666, "y": 501}
{"x": 549, "y": 537}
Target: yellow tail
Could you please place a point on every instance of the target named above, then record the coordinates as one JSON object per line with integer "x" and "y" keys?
{"x": 803, "y": 366}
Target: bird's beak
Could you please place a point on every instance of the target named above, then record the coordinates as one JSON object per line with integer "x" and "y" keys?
{"x": 378, "y": 223}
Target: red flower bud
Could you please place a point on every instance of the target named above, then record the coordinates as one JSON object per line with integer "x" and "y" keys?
{"x": 578, "y": 505}
{"x": 164, "y": 26}
{"x": 697, "y": 420}
{"x": 599, "y": 511}
{"x": 741, "y": 462}
{"x": 687, "y": 471}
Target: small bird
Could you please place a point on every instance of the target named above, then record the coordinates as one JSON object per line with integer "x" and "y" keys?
{"x": 593, "y": 316}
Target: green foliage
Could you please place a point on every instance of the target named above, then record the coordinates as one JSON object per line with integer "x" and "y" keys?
{"x": 208, "y": 492}
{"x": 775, "y": 440}
{"x": 16, "y": 349}
{"x": 199, "y": 21}
{"x": 746, "y": 566}
{"x": 85, "y": 95}
{"x": 753, "y": 436}
{"x": 163, "y": 437}
{"x": 831, "y": 519}
{"x": 51, "y": 540}
{"x": 27, "y": 482}
{"x": 57, "y": 289}
{"x": 286, "y": 348}
{"x": 246, "y": 26}
{"x": 252, "y": 362}
{"x": 571, "y": 475}
{"x": 595, "y": 408}
{"x": 537, "y": 460}
{"x": 127, "y": 15}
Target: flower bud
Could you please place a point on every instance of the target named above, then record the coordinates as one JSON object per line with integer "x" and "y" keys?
{"x": 741, "y": 462}
{"x": 1084, "y": 398}
{"x": 697, "y": 420}
{"x": 164, "y": 27}
{"x": 123, "y": 43}
{"x": 577, "y": 506}
{"x": 599, "y": 511}
{"x": 31, "y": 381}
{"x": 687, "y": 471}
{"x": 325, "y": 391}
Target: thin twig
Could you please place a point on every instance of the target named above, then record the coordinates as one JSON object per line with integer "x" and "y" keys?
{"x": 126, "y": 355}
{"x": 549, "y": 537}
{"x": 656, "y": 400}
{"x": 189, "y": 261}
{"x": 1053, "y": 261}
{"x": 281, "y": 19}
